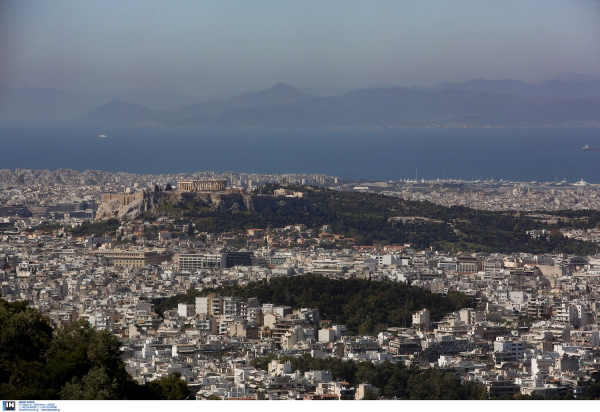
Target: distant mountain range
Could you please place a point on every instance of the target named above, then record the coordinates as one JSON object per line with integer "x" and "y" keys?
{"x": 568, "y": 86}
{"x": 567, "y": 99}
{"x": 283, "y": 106}
{"x": 34, "y": 104}
{"x": 19, "y": 104}
{"x": 192, "y": 115}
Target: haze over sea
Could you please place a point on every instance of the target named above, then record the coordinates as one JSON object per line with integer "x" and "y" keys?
{"x": 382, "y": 154}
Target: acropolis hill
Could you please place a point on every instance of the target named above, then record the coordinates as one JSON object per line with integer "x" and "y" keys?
{"x": 213, "y": 193}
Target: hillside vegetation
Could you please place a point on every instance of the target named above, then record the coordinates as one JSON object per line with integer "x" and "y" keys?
{"x": 394, "y": 380}
{"x": 368, "y": 219}
{"x": 73, "y": 362}
{"x": 364, "y": 306}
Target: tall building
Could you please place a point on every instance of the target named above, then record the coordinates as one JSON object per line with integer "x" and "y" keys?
{"x": 421, "y": 319}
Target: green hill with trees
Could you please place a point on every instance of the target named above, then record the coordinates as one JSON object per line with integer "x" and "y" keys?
{"x": 363, "y": 305}
{"x": 374, "y": 219}
{"x": 369, "y": 219}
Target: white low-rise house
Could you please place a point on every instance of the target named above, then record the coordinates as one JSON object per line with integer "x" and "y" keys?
{"x": 327, "y": 335}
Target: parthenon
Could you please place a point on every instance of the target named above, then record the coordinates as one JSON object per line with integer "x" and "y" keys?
{"x": 217, "y": 185}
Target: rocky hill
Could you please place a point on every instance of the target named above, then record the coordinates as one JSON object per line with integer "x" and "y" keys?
{"x": 174, "y": 203}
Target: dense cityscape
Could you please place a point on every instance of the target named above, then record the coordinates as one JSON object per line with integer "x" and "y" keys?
{"x": 372, "y": 201}
{"x": 101, "y": 247}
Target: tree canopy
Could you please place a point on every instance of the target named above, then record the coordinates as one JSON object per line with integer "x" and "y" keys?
{"x": 73, "y": 362}
{"x": 364, "y": 306}
{"x": 394, "y": 380}
{"x": 371, "y": 219}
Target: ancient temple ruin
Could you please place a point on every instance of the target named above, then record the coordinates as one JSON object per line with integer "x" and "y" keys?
{"x": 217, "y": 185}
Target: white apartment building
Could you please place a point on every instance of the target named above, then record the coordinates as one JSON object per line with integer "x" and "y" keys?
{"x": 421, "y": 319}
{"x": 194, "y": 261}
{"x": 517, "y": 348}
{"x": 185, "y": 310}
{"x": 202, "y": 304}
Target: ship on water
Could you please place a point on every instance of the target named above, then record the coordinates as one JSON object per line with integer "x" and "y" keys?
{"x": 586, "y": 148}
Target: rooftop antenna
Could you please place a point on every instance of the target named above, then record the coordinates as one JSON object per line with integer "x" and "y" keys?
{"x": 416, "y": 175}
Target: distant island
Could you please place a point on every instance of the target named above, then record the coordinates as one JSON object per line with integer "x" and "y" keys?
{"x": 285, "y": 107}
{"x": 565, "y": 101}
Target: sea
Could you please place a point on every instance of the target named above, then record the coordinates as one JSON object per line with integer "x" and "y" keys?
{"x": 528, "y": 154}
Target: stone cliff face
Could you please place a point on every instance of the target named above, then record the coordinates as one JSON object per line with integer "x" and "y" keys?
{"x": 134, "y": 210}
{"x": 216, "y": 201}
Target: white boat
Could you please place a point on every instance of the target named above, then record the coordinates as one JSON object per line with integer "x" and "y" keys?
{"x": 102, "y": 135}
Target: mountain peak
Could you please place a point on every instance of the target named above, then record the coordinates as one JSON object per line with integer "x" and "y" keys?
{"x": 276, "y": 94}
{"x": 115, "y": 102}
{"x": 283, "y": 88}
{"x": 118, "y": 111}
{"x": 281, "y": 85}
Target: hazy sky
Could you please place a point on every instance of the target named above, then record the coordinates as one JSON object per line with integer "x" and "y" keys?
{"x": 207, "y": 47}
